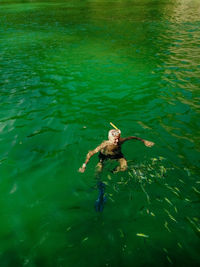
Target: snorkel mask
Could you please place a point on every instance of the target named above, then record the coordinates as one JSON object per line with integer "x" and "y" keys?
{"x": 113, "y": 133}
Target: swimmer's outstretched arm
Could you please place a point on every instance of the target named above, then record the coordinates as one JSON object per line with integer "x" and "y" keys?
{"x": 90, "y": 154}
{"x": 146, "y": 142}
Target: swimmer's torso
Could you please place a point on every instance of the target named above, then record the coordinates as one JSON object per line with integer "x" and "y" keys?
{"x": 110, "y": 149}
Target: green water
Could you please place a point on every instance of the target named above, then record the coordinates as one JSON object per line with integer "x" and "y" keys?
{"x": 66, "y": 70}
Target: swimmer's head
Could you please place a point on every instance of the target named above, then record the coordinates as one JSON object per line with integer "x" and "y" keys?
{"x": 114, "y": 135}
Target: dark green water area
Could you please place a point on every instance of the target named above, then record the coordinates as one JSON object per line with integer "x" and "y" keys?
{"x": 68, "y": 68}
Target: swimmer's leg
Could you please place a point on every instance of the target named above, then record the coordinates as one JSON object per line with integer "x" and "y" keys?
{"x": 99, "y": 204}
{"x": 99, "y": 168}
{"x": 122, "y": 165}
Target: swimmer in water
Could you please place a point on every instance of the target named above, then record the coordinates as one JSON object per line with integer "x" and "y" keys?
{"x": 111, "y": 149}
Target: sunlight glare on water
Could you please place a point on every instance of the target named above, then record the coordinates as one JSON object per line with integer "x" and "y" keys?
{"x": 66, "y": 70}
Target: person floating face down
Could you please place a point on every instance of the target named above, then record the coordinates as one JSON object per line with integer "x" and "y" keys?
{"x": 111, "y": 149}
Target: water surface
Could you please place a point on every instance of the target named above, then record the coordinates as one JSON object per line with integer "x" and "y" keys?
{"x": 66, "y": 70}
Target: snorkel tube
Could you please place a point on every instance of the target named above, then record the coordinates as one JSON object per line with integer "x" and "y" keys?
{"x": 114, "y": 126}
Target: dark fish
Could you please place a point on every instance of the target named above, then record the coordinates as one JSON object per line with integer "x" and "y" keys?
{"x": 99, "y": 204}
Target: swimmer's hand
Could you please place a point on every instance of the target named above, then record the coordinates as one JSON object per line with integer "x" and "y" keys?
{"x": 148, "y": 143}
{"x": 82, "y": 169}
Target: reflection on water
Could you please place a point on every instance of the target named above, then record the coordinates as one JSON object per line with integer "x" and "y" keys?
{"x": 66, "y": 70}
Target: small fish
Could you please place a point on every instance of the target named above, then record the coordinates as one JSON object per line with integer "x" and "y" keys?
{"x": 179, "y": 244}
{"x": 194, "y": 227}
{"x": 188, "y": 200}
{"x": 130, "y": 174}
{"x": 166, "y": 199}
{"x": 1, "y": 160}
{"x": 170, "y": 216}
{"x": 85, "y": 239}
{"x": 176, "y": 188}
{"x": 142, "y": 235}
{"x": 111, "y": 199}
{"x": 114, "y": 188}
{"x": 143, "y": 125}
{"x": 177, "y": 194}
{"x": 195, "y": 190}
{"x": 166, "y": 226}
{"x": 14, "y": 189}
{"x": 165, "y": 250}
{"x": 134, "y": 172}
{"x": 109, "y": 177}
{"x": 188, "y": 171}
{"x": 163, "y": 170}
{"x": 168, "y": 258}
